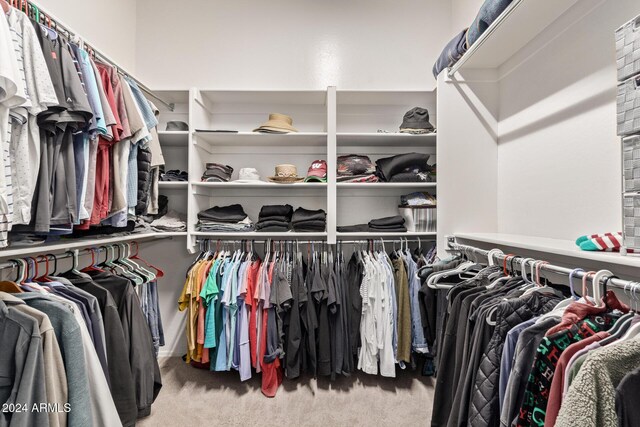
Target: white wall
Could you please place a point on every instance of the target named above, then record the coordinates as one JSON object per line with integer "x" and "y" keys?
{"x": 463, "y": 12}
{"x": 291, "y": 44}
{"x": 110, "y": 26}
{"x": 559, "y": 156}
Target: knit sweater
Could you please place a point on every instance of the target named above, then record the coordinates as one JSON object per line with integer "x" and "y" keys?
{"x": 590, "y": 400}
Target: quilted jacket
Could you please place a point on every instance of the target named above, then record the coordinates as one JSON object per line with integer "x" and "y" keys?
{"x": 144, "y": 179}
{"x": 485, "y": 410}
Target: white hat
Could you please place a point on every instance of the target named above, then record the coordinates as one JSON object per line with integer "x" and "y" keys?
{"x": 249, "y": 175}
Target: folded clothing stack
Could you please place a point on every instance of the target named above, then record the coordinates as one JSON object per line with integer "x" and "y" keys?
{"x": 417, "y": 199}
{"x": 216, "y": 172}
{"x": 409, "y": 167}
{"x": 224, "y": 218}
{"x": 172, "y": 221}
{"x": 174, "y": 175}
{"x": 305, "y": 220}
{"x": 274, "y": 218}
{"x": 390, "y": 224}
{"x": 356, "y": 168}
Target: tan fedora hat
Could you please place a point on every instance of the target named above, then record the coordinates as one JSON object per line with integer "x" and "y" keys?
{"x": 277, "y": 123}
{"x": 286, "y": 174}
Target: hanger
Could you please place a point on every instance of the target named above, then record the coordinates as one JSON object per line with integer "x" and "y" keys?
{"x": 595, "y": 285}
{"x": 627, "y": 331}
{"x": 585, "y": 292}
{"x": 9, "y": 286}
{"x": 5, "y": 6}
{"x": 74, "y": 262}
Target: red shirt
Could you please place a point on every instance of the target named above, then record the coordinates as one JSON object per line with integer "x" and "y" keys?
{"x": 557, "y": 385}
{"x": 577, "y": 311}
{"x": 271, "y": 372}
{"x": 252, "y": 279}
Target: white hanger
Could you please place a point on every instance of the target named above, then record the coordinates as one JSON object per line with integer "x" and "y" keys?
{"x": 595, "y": 285}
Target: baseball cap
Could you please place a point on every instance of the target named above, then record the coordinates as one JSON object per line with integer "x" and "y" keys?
{"x": 317, "y": 171}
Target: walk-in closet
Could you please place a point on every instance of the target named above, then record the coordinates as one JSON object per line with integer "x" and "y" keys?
{"x": 409, "y": 213}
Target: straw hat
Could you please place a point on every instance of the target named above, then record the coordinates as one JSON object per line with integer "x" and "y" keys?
{"x": 286, "y": 174}
{"x": 278, "y": 123}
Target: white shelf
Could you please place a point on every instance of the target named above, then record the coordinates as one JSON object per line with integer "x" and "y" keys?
{"x": 174, "y": 138}
{"x": 367, "y": 98}
{"x": 520, "y": 23}
{"x": 255, "y": 234}
{"x": 257, "y": 139}
{"x": 266, "y": 185}
{"x": 560, "y": 247}
{"x": 379, "y": 185}
{"x": 265, "y": 97}
{"x": 163, "y": 185}
{"x": 370, "y": 235}
{"x": 386, "y": 139}
{"x": 84, "y": 242}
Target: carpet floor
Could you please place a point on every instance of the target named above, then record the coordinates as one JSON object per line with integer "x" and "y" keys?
{"x": 192, "y": 397}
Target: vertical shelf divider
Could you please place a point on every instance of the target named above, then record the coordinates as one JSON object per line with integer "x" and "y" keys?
{"x": 332, "y": 211}
{"x": 191, "y": 203}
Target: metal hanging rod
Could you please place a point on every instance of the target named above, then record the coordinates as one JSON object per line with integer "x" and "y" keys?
{"x": 500, "y": 257}
{"x": 69, "y": 254}
{"x": 57, "y": 24}
{"x": 414, "y": 240}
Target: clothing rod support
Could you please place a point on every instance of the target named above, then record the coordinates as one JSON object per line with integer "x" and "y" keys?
{"x": 100, "y": 55}
{"x": 500, "y": 257}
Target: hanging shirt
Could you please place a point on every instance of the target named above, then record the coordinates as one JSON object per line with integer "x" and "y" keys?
{"x": 25, "y": 147}
{"x": 549, "y": 351}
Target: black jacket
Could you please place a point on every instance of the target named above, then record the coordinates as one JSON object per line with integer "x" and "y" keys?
{"x": 144, "y": 179}
{"x": 484, "y": 409}
{"x": 142, "y": 359}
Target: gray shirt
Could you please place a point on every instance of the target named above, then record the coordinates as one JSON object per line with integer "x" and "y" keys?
{"x": 21, "y": 369}
{"x": 70, "y": 340}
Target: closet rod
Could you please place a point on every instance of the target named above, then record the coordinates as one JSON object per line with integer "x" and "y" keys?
{"x": 316, "y": 241}
{"x": 58, "y": 24}
{"x": 500, "y": 257}
{"x": 68, "y": 254}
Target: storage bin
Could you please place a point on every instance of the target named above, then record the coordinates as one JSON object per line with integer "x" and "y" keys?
{"x": 631, "y": 163}
{"x": 628, "y": 106}
{"x": 631, "y": 213}
{"x": 628, "y": 49}
{"x": 420, "y": 219}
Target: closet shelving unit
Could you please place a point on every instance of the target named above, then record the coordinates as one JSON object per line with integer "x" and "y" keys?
{"x": 330, "y": 122}
{"x": 469, "y": 93}
{"x": 243, "y": 111}
{"x": 174, "y": 148}
{"x": 368, "y": 124}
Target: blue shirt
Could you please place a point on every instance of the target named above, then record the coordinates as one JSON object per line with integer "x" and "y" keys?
{"x": 506, "y": 363}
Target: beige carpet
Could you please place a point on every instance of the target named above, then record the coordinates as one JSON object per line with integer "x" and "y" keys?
{"x": 192, "y": 397}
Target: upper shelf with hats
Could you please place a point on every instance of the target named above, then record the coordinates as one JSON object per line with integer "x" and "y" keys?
{"x": 385, "y": 118}
{"x": 239, "y": 116}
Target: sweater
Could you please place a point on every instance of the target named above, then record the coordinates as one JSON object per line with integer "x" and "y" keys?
{"x": 590, "y": 400}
